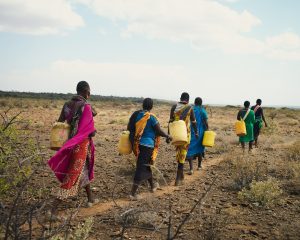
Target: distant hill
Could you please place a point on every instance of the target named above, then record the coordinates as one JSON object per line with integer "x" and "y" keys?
{"x": 63, "y": 96}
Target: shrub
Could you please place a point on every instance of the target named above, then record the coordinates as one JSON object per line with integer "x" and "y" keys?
{"x": 271, "y": 129}
{"x": 293, "y": 152}
{"x": 18, "y": 153}
{"x": 272, "y": 115}
{"x": 81, "y": 232}
{"x": 265, "y": 193}
{"x": 245, "y": 171}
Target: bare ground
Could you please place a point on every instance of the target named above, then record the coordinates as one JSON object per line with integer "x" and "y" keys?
{"x": 219, "y": 215}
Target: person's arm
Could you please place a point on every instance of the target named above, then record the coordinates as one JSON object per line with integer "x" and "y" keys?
{"x": 161, "y": 133}
{"x": 206, "y": 124}
{"x": 263, "y": 117}
{"x": 94, "y": 111}
{"x": 172, "y": 117}
{"x": 62, "y": 115}
{"x": 253, "y": 117}
{"x": 194, "y": 123}
{"x": 239, "y": 115}
{"x": 205, "y": 120}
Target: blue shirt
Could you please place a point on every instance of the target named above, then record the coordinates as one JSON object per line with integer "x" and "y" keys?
{"x": 148, "y": 137}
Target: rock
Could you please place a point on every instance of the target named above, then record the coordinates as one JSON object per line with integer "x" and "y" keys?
{"x": 95, "y": 189}
{"x": 253, "y": 232}
{"x": 190, "y": 228}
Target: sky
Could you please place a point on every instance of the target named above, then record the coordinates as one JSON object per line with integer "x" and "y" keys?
{"x": 225, "y": 51}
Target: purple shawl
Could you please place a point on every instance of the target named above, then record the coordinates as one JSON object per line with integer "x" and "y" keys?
{"x": 60, "y": 161}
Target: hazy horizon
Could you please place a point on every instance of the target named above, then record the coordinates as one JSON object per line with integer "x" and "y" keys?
{"x": 167, "y": 100}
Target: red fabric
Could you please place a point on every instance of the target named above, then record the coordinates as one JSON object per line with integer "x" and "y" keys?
{"x": 60, "y": 162}
{"x": 76, "y": 164}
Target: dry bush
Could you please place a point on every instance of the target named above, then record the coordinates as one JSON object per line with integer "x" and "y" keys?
{"x": 245, "y": 171}
{"x": 212, "y": 230}
{"x": 291, "y": 115}
{"x": 291, "y": 122}
{"x": 271, "y": 129}
{"x": 272, "y": 115}
{"x": 23, "y": 199}
{"x": 3, "y": 103}
{"x": 81, "y": 232}
{"x": 291, "y": 168}
{"x": 287, "y": 170}
{"x": 222, "y": 145}
{"x": 264, "y": 193}
{"x": 293, "y": 152}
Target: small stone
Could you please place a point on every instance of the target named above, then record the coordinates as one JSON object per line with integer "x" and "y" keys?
{"x": 253, "y": 232}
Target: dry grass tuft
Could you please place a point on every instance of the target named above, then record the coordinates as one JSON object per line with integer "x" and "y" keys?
{"x": 245, "y": 171}
{"x": 263, "y": 193}
{"x": 293, "y": 152}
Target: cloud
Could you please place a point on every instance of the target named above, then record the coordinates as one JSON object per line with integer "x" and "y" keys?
{"x": 230, "y": 1}
{"x": 201, "y": 22}
{"x": 284, "y": 46}
{"x": 38, "y": 17}
{"x": 206, "y": 24}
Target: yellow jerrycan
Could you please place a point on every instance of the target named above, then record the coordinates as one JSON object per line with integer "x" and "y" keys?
{"x": 240, "y": 128}
{"x": 209, "y": 139}
{"x": 59, "y": 135}
{"x": 178, "y": 133}
{"x": 125, "y": 147}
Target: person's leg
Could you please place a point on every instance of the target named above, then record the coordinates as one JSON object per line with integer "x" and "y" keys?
{"x": 243, "y": 145}
{"x": 199, "y": 161}
{"x": 250, "y": 146}
{"x": 134, "y": 189}
{"x": 89, "y": 193}
{"x": 151, "y": 183}
{"x": 190, "y": 159}
{"x": 91, "y": 199}
{"x": 256, "y": 133}
{"x": 180, "y": 175}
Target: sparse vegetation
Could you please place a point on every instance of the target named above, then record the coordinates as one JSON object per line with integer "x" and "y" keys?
{"x": 216, "y": 218}
{"x": 81, "y": 232}
{"x": 293, "y": 152}
{"x": 245, "y": 171}
{"x": 264, "y": 193}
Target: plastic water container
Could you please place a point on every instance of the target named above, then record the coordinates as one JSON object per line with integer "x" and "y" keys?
{"x": 240, "y": 128}
{"x": 209, "y": 139}
{"x": 178, "y": 133}
{"x": 59, "y": 135}
{"x": 125, "y": 147}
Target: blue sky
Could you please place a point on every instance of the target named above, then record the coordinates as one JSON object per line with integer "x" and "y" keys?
{"x": 225, "y": 51}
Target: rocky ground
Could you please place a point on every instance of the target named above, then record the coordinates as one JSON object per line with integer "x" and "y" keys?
{"x": 213, "y": 191}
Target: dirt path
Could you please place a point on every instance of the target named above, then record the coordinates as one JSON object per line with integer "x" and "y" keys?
{"x": 100, "y": 208}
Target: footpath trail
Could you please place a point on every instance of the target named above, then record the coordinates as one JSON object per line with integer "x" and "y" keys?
{"x": 100, "y": 208}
